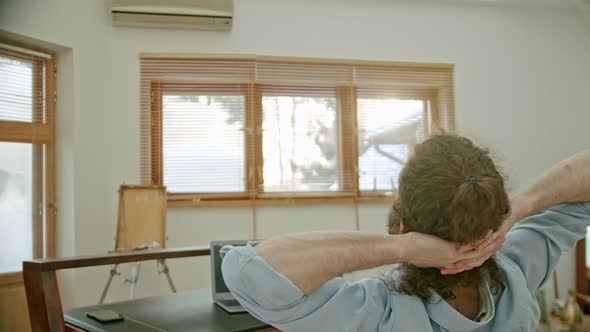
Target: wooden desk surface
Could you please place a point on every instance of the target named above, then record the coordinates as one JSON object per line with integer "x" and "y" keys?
{"x": 188, "y": 311}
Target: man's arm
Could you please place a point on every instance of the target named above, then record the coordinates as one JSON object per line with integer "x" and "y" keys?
{"x": 311, "y": 259}
{"x": 566, "y": 182}
{"x": 334, "y": 306}
{"x": 536, "y": 243}
{"x": 290, "y": 281}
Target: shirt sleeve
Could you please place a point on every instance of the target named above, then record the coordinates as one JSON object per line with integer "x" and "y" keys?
{"x": 271, "y": 297}
{"x": 537, "y": 242}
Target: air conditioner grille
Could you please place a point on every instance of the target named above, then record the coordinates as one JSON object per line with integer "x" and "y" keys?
{"x": 172, "y": 21}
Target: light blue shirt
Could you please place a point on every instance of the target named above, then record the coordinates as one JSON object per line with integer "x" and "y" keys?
{"x": 529, "y": 256}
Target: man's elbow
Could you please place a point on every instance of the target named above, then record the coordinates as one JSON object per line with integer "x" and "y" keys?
{"x": 230, "y": 270}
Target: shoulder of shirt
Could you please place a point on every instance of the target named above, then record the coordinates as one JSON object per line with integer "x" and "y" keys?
{"x": 506, "y": 263}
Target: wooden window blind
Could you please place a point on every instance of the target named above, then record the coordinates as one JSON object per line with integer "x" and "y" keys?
{"x": 237, "y": 130}
{"x": 27, "y": 143}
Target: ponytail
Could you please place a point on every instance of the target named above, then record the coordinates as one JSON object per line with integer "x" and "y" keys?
{"x": 479, "y": 204}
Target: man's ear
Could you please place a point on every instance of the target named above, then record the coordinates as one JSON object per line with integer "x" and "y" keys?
{"x": 402, "y": 227}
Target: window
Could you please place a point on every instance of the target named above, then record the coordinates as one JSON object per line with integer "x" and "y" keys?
{"x": 388, "y": 129}
{"x": 27, "y": 193}
{"x": 203, "y": 142}
{"x": 300, "y": 143}
{"x": 266, "y": 130}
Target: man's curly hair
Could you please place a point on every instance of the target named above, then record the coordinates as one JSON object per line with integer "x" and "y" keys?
{"x": 449, "y": 188}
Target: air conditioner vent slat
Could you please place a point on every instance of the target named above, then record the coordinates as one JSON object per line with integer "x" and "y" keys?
{"x": 170, "y": 10}
{"x": 174, "y": 14}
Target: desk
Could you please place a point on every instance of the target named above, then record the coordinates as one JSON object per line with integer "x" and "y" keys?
{"x": 188, "y": 311}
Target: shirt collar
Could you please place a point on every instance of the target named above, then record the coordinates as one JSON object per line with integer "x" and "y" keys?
{"x": 447, "y": 317}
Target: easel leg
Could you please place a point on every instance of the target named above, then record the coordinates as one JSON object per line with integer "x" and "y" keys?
{"x": 133, "y": 278}
{"x": 166, "y": 271}
{"x": 112, "y": 273}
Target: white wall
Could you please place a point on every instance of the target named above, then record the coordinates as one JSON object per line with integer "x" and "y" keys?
{"x": 522, "y": 79}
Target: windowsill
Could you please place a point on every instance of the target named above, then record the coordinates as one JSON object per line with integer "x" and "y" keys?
{"x": 11, "y": 278}
{"x": 176, "y": 202}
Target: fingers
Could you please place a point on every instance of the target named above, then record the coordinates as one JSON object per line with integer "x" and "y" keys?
{"x": 475, "y": 258}
{"x": 477, "y": 245}
{"x": 472, "y": 254}
{"x": 466, "y": 248}
{"x": 467, "y": 265}
{"x": 489, "y": 238}
{"x": 453, "y": 271}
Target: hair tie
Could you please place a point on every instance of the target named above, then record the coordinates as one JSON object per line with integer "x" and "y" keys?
{"x": 471, "y": 179}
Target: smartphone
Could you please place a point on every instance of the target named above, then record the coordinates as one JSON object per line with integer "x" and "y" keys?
{"x": 105, "y": 316}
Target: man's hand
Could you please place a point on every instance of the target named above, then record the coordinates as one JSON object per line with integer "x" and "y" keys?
{"x": 521, "y": 208}
{"x": 475, "y": 257}
{"x": 425, "y": 250}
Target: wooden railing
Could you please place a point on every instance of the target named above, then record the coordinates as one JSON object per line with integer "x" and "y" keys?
{"x": 43, "y": 299}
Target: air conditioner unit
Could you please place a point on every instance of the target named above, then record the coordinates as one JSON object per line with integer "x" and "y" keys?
{"x": 175, "y": 14}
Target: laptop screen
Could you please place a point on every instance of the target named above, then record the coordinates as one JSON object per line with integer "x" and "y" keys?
{"x": 218, "y": 283}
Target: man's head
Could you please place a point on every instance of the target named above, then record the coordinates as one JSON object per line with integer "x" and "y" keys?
{"x": 449, "y": 188}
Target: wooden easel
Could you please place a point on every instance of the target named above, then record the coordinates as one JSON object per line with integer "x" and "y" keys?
{"x": 141, "y": 225}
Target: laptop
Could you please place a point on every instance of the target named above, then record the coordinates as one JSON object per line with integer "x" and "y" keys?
{"x": 221, "y": 295}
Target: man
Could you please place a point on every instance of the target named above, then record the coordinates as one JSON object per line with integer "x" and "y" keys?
{"x": 445, "y": 225}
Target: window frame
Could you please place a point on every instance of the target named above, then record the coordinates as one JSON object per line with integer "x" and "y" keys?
{"x": 40, "y": 131}
{"x": 157, "y": 92}
{"x": 347, "y": 118}
{"x": 274, "y": 91}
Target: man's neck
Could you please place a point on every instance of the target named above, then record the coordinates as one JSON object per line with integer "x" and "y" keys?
{"x": 467, "y": 301}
